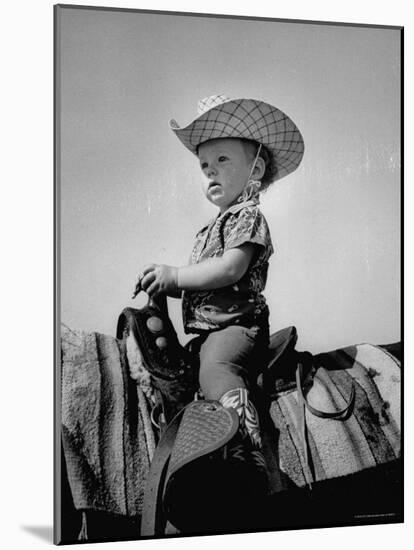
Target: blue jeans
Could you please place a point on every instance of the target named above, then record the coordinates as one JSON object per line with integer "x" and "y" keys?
{"x": 231, "y": 358}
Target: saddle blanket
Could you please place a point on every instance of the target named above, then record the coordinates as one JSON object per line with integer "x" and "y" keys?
{"x": 107, "y": 436}
{"x": 109, "y": 441}
{"x": 368, "y": 437}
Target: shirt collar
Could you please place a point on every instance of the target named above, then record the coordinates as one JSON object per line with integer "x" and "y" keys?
{"x": 239, "y": 206}
{"x": 254, "y": 201}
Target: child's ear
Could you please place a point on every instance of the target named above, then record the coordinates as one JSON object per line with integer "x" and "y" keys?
{"x": 259, "y": 169}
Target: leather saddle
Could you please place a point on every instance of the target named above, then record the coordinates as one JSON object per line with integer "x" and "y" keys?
{"x": 187, "y": 467}
{"x": 193, "y": 437}
{"x": 194, "y": 434}
{"x": 173, "y": 367}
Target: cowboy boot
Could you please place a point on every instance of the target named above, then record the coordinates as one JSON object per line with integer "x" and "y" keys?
{"x": 245, "y": 452}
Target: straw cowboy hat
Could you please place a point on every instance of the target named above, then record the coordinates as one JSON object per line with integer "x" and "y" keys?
{"x": 221, "y": 117}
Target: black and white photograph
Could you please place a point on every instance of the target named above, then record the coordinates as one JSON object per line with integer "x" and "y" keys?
{"x": 215, "y": 354}
{"x": 229, "y": 213}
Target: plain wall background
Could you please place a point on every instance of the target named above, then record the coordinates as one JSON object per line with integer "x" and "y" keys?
{"x": 130, "y": 192}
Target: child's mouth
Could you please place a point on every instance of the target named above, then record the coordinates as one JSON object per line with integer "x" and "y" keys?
{"x": 213, "y": 186}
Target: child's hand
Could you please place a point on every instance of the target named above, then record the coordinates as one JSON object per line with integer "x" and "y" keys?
{"x": 159, "y": 279}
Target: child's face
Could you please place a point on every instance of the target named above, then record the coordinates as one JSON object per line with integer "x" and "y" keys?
{"x": 226, "y": 166}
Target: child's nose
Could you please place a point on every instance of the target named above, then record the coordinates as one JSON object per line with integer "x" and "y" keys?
{"x": 212, "y": 171}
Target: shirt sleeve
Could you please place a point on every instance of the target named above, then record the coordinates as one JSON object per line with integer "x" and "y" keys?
{"x": 249, "y": 226}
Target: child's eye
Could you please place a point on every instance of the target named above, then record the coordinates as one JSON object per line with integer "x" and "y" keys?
{"x": 222, "y": 158}
{"x": 203, "y": 165}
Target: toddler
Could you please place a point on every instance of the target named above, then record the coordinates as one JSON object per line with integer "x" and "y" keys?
{"x": 243, "y": 145}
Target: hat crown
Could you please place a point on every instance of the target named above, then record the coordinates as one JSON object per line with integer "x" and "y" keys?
{"x": 208, "y": 103}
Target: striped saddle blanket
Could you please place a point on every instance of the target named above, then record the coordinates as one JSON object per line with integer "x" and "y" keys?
{"x": 369, "y": 435}
{"x": 109, "y": 440}
{"x": 107, "y": 435}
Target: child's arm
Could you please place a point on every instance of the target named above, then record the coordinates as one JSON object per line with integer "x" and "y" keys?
{"x": 177, "y": 292}
{"x": 216, "y": 272}
{"x": 209, "y": 274}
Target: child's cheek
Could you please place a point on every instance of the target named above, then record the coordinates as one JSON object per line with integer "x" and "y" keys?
{"x": 232, "y": 173}
{"x": 235, "y": 175}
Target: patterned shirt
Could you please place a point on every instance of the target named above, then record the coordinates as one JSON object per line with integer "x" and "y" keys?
{"x": 241, "y": 303}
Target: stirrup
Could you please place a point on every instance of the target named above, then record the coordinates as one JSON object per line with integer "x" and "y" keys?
{"x": 188, "y": 469}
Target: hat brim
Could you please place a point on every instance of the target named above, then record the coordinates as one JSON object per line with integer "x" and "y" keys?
{"x": 248, "y": 119}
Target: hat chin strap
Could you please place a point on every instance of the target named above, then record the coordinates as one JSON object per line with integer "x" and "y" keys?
{"x": 252, "y": 187}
